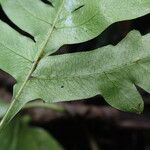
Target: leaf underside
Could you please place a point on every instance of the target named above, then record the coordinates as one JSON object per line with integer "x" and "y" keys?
{"x": 111, "y": 71}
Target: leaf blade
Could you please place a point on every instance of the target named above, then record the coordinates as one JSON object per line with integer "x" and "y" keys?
{"x": 71, "y": 27}
{"x": 46, "y": 33}
{"x": 106, "y": 71}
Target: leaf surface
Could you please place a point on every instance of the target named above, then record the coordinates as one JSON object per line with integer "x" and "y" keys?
{"x": 111, "y": 71}
{"x": 70, "y": 21}
{"x": 40, "y": 29}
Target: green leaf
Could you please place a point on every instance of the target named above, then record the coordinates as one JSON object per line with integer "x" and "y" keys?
{"x": 111, "y": 71}
{"x": 19, "y": 136}
{"x": 49, "y": 27}
{"x": 69, "y": 21}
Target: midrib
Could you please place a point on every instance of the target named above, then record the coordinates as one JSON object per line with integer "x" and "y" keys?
{"x": 33, "y": 67}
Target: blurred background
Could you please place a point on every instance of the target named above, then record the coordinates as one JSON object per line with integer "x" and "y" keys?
{"x": 92, "y": 124}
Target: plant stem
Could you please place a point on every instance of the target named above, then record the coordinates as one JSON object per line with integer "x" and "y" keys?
{"x": 54, "y": 107}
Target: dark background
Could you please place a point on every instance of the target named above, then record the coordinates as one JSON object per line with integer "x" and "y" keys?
{"x": 91, "y": 124}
